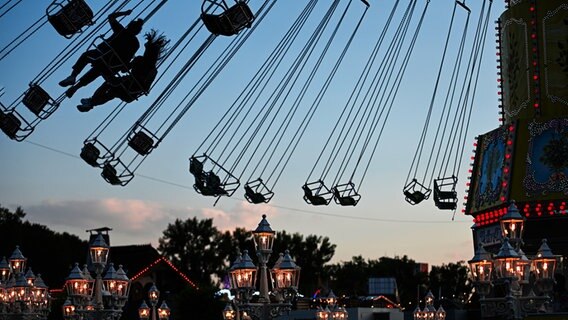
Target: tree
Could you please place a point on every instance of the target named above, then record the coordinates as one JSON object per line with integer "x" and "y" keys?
{"x": 310, "y": 253}
{"x": 195, "y": 247}
{"x": 450, "y": 281}
{"x": 39, "y": 244}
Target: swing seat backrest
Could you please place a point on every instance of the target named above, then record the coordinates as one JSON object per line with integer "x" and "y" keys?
{"x": 254, "y": 197}
{"x": 70, "y": 18}
{"x": 141, "y": 142}
{"x": 36, "y": 98}
{"x": 314, "y": 195}
{"x": 196, "y": 167}
{"x": 10, "y": 124}
{"x": 415, "y": 192}
{"x": 346, "y": 195}
{"x": 90, "y": 153}
{"x": 110, "y": 175}
{"x": 229, "y": 22}
{"x": 445, "y": 195}
{"x": 257, "y": 192}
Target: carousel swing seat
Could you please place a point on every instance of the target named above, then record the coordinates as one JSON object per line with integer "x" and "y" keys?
{"x": 316, "y": 193}
{"x": 230, "y": 21}
{"x": 69, "y": 17}
{"x": 112, "y": 176}
{"x": 10, "y": 124}
{"x": 207, "y": 177}
{"x": 415, "y": 192}
{"x": 142, "y": 141}
{"x": 90, "y": 154}
{"x": 36, "y": 99}
{"x": 257, "y": 192}
{"x": 345, "y": 194}
{"x": 445, "y": 195}
{"x": 209, "y": 185}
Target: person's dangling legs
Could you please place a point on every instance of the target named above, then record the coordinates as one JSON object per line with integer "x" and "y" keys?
{"x": 85, "y": 58}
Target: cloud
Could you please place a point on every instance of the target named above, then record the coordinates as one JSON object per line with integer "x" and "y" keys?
{"x": 137, "y": 221}
{"x": 243, "y": 215}
{"x": 132, "y": 221}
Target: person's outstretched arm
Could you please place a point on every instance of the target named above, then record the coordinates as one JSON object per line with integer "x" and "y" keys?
{"x": 114, "y": 24}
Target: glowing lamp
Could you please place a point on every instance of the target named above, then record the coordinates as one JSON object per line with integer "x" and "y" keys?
{"x": 114, "y": 283}
{"x": 481, "y": 265}
{"x": 523, "y": 268}
{"x": 4, "y": 270}
{"x": 506, "y": 260}
{"x": 228, "y": 313}
{"x": 287, "y": 274}
{"x": 98, "y": 250}
{"x": 68, "y": 309}
{"x": 263, "y": 236}
{"x": 429, "y": 312}
{"x": 124, "y": 283}
{"x": 323, "y": 314}
{"x": 164, "y": 311}
{"x": 417, "y": 314}
{"x": 144, "y": 311}
{"x": 243, "y": 274}
{"x": 153, "y": 295}
{"x": 30, "y": 277}
{"x": 76, "y": 284}
{"x": 17, "y": 261}
{"x": 21, "y": 289}
{"x": 544, "y": 263}
{"x": 39, "y": 290}
{"x": 512, "y": 223}
{"x": 441, "y": 313}
{"x": 339, "y": 314}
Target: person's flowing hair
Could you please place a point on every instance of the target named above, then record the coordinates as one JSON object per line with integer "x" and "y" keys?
{"x": 156, "y": 46}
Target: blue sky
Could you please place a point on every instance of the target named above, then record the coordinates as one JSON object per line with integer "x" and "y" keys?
{"x": 44, "y": 175}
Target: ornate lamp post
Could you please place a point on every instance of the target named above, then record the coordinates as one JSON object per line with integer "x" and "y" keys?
{"x": 509, "y": 272}
{"x": 332, "y": 310}
{"x": 429, "y": 312}
{"x": 22, "y": 295}
{"x": 243, "y": 274}
{"x": 145, "y": 312}
{"x": 102, "y": 297}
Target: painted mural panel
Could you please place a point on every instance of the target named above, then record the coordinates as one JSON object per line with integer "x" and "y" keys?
{"x": 488, "y": 172}
{"x": 547, "y": 159}
{"x": 515, "y": 62}
{"x": 555, "y": 51}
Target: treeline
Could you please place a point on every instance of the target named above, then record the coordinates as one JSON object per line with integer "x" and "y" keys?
{"x": 205, "y": 254}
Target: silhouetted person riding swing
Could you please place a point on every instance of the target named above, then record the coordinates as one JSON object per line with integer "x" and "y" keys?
{"x": 143, "y": 71}
{"x": 109, "y": 57}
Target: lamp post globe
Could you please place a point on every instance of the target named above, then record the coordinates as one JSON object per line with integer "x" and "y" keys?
{"x": 164, "y": 311}
{"x": 144, "y": 311}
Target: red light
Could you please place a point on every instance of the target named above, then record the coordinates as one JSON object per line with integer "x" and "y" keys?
{"x": 509, "y": 142}
{"x": 527, "y": 215}
{"x": 506, "y": 170}
{"x": 507, "y": 156}
{"x": 532, "y": 9}
{"x": 511, "y": 128}
{"x": 502, "y": 198}
{"x": 536, "y": 105}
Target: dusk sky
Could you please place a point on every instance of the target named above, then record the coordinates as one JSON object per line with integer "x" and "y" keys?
{"x": 45, "y": 176}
